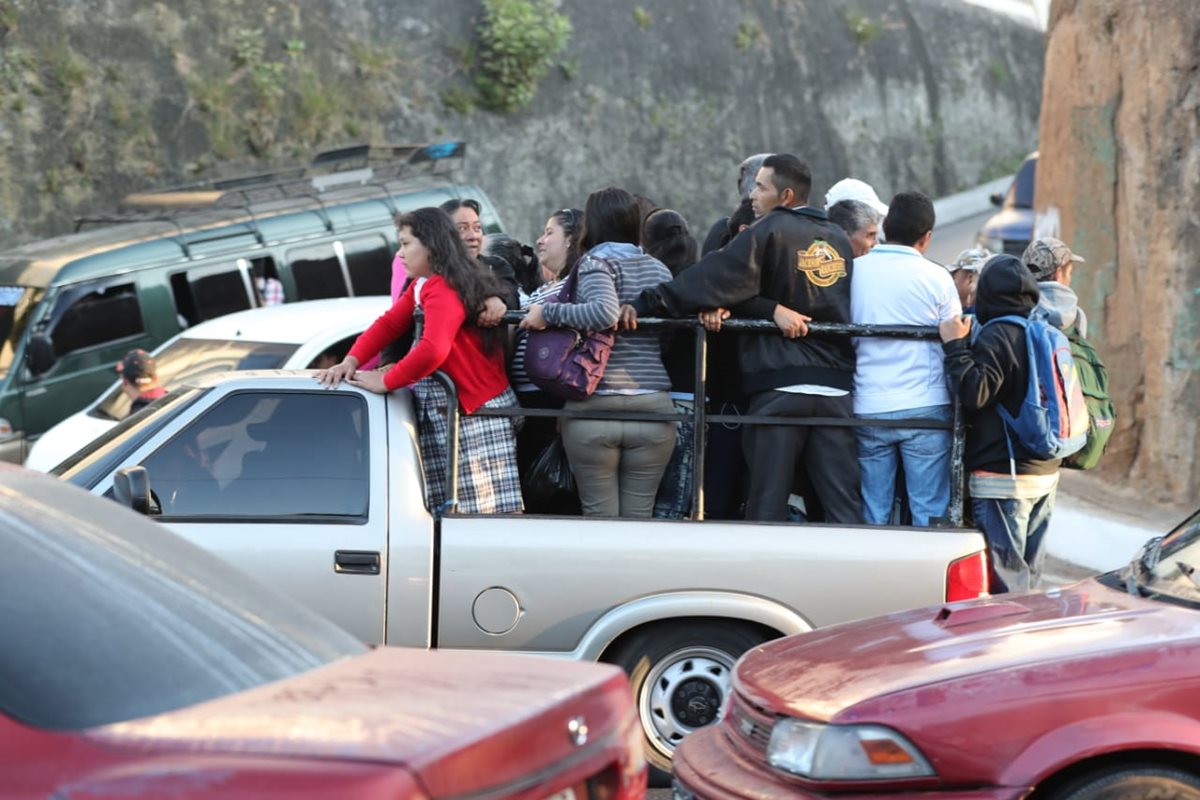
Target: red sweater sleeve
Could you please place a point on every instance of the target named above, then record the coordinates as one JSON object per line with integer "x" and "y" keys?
{"x": 390, "y": 326}
{"x": 444, "y": 316}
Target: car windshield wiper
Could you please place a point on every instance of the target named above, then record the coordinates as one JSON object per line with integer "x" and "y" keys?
{"x": 1141, "y": 565}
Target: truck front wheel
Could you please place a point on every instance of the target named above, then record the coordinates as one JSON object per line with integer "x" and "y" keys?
{"x": 680, "y": 674}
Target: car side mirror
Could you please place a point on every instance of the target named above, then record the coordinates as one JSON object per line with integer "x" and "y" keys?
{"x": 39, "y": 353}
{"x": 997, "y": 199}
{"x": 131, "y": 488}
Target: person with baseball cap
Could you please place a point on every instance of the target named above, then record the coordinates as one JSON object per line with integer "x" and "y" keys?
{"x": 1052, "y": 262}
{"x": 139, "y": 379}
{"x": 965, "y": 272}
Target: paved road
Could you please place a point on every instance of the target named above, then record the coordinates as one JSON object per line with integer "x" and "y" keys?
{"x": 950, "y": 240}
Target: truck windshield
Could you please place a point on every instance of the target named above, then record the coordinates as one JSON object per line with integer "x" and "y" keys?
{"x": 15, "y": 304}
{"x": 186, "y": 359}
{"x": 102, "y": 455}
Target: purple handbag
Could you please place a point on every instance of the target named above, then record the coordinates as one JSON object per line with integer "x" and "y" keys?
{"x": 565, "y": 362}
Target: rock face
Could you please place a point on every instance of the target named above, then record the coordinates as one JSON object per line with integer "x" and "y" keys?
{"x": 1119, "y": 169}
{"x": 665, "y": 98}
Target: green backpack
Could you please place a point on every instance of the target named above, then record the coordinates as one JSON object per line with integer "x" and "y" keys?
{"x": 1102, "y": 415}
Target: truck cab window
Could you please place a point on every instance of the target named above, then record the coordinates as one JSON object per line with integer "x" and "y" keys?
{"x": 318, "y": 272}
{"x": 268, "y": 454}
{"x": 94, "y": 317}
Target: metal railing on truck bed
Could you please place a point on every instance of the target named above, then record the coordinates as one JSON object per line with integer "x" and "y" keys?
{"x": 700, "y": 417}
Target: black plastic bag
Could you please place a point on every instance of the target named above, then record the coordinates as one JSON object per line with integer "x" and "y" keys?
{"x": 549, "y": 482}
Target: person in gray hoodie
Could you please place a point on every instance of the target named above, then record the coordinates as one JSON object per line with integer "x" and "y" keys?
{"x": 1051, "y": 262}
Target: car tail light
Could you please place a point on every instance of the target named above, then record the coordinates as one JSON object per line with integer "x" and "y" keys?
{"x": 967, "y": 577}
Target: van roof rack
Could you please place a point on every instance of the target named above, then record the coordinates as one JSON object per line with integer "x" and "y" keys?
{"x": 359, "y": 164}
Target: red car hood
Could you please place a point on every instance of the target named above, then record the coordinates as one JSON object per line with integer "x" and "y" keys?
{"x": 435, "y": 713}
{"x": 821, "y": 674}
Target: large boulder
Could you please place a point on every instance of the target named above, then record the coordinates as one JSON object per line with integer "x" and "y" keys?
{"x": 1119, "y": 178}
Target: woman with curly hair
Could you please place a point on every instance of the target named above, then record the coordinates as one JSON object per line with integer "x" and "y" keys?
{"x": 449, "y": 288}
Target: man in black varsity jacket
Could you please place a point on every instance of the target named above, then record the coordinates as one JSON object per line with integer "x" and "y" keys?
{"x": 792, "y": 265}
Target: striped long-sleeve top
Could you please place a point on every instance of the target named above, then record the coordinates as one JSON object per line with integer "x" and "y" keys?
{"x": 635, "y": 365}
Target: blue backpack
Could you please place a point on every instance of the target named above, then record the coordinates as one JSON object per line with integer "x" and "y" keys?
{"x": 1053, "y": 420}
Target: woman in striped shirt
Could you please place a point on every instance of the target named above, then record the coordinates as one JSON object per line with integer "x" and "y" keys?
{"x": 617, "y": 465}
{"x": 558, "y": 250}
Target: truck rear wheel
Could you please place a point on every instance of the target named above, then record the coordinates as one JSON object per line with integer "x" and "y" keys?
{"x": 680, "y": 676}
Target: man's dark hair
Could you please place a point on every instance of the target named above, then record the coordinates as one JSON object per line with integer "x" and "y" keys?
{"x": 910, "y": 216}
{"x": 790, "y": 173}
{"x": 610, "y": 215}
{"x": 852, "y": 215}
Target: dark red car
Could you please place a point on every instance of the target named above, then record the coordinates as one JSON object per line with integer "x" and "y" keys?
{"x": 136, "y": 665}
{"x": 1089, "y": 691}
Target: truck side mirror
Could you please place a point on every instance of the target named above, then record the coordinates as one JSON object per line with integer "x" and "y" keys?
{"x": 39, "y": 353}
{"x": 997, "y": 199}
{"x": 131, "y": 488}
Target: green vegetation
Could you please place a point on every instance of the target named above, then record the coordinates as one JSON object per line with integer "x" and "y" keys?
{"x": 65, "y": 71}
{"x": 10, "y": 16}
{"x": 458, "y": 99}
{"x": 997, "y": 71}
{"x": 864, "y": 29}
{"x": 518, "y": 42}
{"x": 642, "y": 17}
{"x": 749, "y": 33}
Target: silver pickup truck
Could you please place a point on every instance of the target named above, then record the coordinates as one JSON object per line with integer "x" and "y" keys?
{"x": 319, "y": 493}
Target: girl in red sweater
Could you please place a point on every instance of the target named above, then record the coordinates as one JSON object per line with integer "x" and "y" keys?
{"x": 450, "y": 289}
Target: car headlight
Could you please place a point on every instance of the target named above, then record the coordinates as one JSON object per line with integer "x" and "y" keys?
{"x": 844, "y": 752}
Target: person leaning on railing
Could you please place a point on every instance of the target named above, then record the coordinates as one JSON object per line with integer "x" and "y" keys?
{"x": 446, "y": 282}
{"x": 617, "y": 464}
{"x": 558, "y": 249}
{"x": 791, "y": 266}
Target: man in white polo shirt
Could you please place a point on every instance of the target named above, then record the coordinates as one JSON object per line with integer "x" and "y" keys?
{"x": 894, "y": 284}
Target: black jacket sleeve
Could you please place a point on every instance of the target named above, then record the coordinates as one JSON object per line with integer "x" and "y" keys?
{"x": 977, "y": 375}
{"x": 725, "y": 278}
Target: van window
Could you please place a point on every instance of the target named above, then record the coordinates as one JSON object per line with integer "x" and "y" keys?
{"x": 86, "y": 317}
{"x": 267, "y": 286}
{"x": 369, "y": 261}
{"x": 268, "y": 454}
{"x": 318, "y": 272}
{"x": 206, "y": 293}
{"x": 15, "y": 304}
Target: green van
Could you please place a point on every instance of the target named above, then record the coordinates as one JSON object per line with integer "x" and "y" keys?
{"x": 72, "y": 306}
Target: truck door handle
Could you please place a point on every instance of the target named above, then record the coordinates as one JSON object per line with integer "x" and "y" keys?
{"x": 356, "y": 562}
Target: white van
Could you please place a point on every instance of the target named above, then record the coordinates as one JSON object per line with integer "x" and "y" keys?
{"x": 289, "y": 336}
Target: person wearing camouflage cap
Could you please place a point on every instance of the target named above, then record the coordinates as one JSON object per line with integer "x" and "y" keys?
{"x": 1052, "y": 262}
{"x": 139, "y": 379}
{"x": 965, "y": 272}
